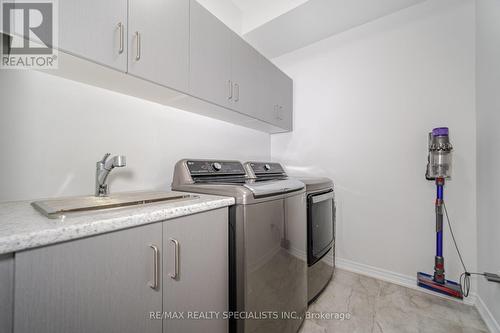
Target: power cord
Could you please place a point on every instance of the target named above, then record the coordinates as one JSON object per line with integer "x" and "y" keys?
{"x": 465, "y": 276}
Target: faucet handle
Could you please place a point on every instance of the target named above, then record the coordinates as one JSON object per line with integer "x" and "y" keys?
{"x": 119, "y": 161}
{"x": 105, "y": 157}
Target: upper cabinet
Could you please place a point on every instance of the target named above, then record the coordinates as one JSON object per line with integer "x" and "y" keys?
{"x": 283, "y": 95}
{"x": 95, "y": 30}
{"x": 180, "y": 45}
{"x": 246, "y": 77}
{"x": 276, "y": 94}
{"x": 159, "y": 41}
{"x": 210, "y": 57}
{"x": 228, "y": 71}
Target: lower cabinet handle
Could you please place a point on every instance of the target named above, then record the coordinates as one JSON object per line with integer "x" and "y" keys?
{"x": 156, "y": 264}
{"x": 175, "y": 276}
{"x": 138, "y": 46}
{"x": 230, "y": 87}
{"x": 236, "y": 92}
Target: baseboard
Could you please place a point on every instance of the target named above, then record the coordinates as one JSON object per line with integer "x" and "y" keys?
{"x": 487, "y": 316}
{"x": 396, "y": 278}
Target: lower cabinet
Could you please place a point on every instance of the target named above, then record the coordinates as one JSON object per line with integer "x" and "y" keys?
{"x": 195, "y": 270}
{"x": 114, "y": 282}
{"x": 6, "y": 291}
{"x": 97, "y": 284}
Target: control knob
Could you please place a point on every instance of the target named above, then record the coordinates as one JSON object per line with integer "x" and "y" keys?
{"x": 217, "y": 166}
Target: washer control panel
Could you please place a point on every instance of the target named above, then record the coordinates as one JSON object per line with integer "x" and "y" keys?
{"x": 202, "y": 167}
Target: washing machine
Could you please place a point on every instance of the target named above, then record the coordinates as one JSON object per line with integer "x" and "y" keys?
{"x": 267, "y": 277}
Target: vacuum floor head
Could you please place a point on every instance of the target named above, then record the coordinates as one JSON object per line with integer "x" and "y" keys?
{"x": 448, "y": 288}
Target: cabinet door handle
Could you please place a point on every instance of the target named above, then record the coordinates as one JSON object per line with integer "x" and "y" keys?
{"x": 156, "y": 264}
{"x": 236, "y": 92}
{"x": 121, "y": 32}
{"x": 230, "y": 88}
{"x": 175, "y": 276}
{"x": 138, "y": 46}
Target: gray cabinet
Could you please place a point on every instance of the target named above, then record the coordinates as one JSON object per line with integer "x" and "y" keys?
{"x": 95, "y": 30}
{"x": 226, "y": 70}
{"x": 176, "y": 44}
{"x": 97, "y": 284}
{"x": 159, "y": 41}
{"x": 283, "y": 89}
{"x": 210, "y": 57}
{"x": 246, "y": 76}
{"x": 6, "y": 292}
{"x": 113, "y": 282}
{"x": 195, "y": 275}
{"x": 277, "y": 96}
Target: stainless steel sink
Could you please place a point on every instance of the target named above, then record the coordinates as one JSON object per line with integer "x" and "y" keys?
{"x": 54, "y": 208}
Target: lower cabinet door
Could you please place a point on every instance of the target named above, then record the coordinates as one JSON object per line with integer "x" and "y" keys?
{"x": 98, "y": 284}
{"x": 6, "y": 291}
{"x": 195, "y": 273}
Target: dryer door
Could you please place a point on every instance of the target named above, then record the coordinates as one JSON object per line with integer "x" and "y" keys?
{"x": 321, "y": 215}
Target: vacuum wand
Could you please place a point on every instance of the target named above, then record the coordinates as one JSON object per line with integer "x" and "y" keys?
{"x": 439, "y": 260}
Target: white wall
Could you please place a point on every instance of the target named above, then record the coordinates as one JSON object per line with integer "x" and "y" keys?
{"x": 52, "y": 131}
{"x": 488, "y": 147}
{"x": 258, "y": 12}
{"x": 365, "y": 101}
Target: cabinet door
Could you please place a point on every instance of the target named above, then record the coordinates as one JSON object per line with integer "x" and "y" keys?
{"x": 245, "y": 70}
{"x": 91, "y": 29}
{"x": 276, "y": 91}
{"x": 210, "y": 57}
{"x": 268, "y": 99}
{"x": 97, "y": 284}
{"x": 283, "y": 88}
{"x": 199, "y": 245}
{"x": 6, "y": 292}
{"x": 159, "y": 41}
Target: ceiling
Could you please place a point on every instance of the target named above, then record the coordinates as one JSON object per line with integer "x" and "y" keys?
{"x": 282, "y": 26}
{"x": 276, "y": 27}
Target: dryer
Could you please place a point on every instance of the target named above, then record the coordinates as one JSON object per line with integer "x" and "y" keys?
{"x": 321, "y": 212}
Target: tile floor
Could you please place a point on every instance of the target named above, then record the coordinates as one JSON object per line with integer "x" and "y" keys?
{"x": 380, "y": 307}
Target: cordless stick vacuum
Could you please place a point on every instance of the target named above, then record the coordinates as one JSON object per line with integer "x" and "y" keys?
{"x": 439, "y": 169}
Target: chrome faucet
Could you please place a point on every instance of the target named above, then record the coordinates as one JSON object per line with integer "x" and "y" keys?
{"x": 103, "y": 168}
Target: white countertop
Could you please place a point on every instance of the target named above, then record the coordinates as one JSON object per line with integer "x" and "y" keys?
{"x": 22, "y": 227}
